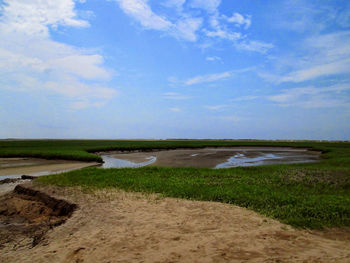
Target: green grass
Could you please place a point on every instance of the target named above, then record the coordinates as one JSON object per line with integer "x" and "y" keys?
{"x": 312, "y": 195}
{"x": 300, "y": 195}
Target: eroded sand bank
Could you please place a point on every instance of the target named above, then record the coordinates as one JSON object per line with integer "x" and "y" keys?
{"x": 211, "y": 157}
{"x": 115, "y": 226}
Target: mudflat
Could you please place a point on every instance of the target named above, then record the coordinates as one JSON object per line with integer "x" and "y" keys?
{"x": 116, "y": 226}
{"x": 210, "y": 157}
{"x": 12, "y": 167}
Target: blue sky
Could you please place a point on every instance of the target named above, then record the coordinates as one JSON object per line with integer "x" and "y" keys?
{"x": 175, "y": 69}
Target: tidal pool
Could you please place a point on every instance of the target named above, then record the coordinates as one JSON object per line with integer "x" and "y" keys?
{"x": 211, "y": 157}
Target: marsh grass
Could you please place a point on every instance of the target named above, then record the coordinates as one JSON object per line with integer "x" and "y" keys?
{"x": 298, "y": 200}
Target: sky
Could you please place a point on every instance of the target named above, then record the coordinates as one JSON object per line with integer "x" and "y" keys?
{"x": 252, "y": 69}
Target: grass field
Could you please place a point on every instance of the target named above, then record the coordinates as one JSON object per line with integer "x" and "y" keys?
{"x": 311, "y": 195}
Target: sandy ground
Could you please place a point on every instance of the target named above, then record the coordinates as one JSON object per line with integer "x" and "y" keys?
{"x": 12, "y": 167}
{"x": 210, "y": 157}
{"x": 115, "y": 226}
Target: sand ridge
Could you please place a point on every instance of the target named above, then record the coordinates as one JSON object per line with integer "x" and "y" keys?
{"x": 116, "y": 226}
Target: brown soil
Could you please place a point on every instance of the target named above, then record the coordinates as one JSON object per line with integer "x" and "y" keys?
{"x": 115, "y": 226}
{"x": 26, "y": 215}
{"x": 210, "y": 157}
{"x": 19, "y": 166}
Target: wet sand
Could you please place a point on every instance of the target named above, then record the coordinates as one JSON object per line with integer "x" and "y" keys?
{"x": 211, "y": 157}
{"x": 115, "y": 226}
{"x": 15, "y": 167}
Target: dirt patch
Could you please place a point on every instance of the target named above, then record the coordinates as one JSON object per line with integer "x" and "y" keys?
{"x": 26, "y": 215}
{"x": 116, "y": 226}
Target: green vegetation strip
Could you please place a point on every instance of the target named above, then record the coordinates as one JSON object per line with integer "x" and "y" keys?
{"x": 304, "y": 195}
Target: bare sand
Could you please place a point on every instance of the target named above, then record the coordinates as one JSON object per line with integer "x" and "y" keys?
{"x": 15, "y": 167}
{"x": 115, "y": 226}
{"x": 210, "y": 157}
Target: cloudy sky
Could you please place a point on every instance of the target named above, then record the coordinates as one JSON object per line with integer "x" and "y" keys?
{"x": 175, "y": 69}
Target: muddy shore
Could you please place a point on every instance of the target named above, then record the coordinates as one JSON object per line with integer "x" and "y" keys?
{"x": 115, "y": 226}
{"x": 15, "y": 167}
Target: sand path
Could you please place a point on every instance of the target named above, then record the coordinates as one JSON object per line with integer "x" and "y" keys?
{"x": 115, "y": 226}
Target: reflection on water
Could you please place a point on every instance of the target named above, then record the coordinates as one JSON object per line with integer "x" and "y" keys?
{"x": 110, "y": 162}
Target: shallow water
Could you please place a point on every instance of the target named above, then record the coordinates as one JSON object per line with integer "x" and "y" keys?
{"x": 242, "y": 160}
{"x": 110, "y": 162}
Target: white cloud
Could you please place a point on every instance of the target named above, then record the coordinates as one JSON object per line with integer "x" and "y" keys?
{"x": 312, "y": 97}
{"x": 213, "y": 58}
{"x": 175, "y": 109}
{"x": 31, "y": 62}
{"x": 85, "y": 66}
{"x": 35, "y": 17}
{"x": 175, "y": 96}
{"x": 337, "y": 67}
{"x": 71, "y": 87}
{"x": 224, "y": 34}
{"x": 187, "y": 28}
{"x": 219, "y": 30}
{"x": 208, "y": 78}
{"x": 323, "y": 55}
{"x": 210, "y": 6}
{"x": 174, "y": 3}
{"x": 216, "y": 76}
{"x": 141, "y": 11}
{"x": 245, "y": 98}
{"x": 253, "y": 45}
{"x": 185, "y": 24}
{"x": 216, "y": 107}
{"x": 240, "y": 20}
{"x": 303, "y": 16}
